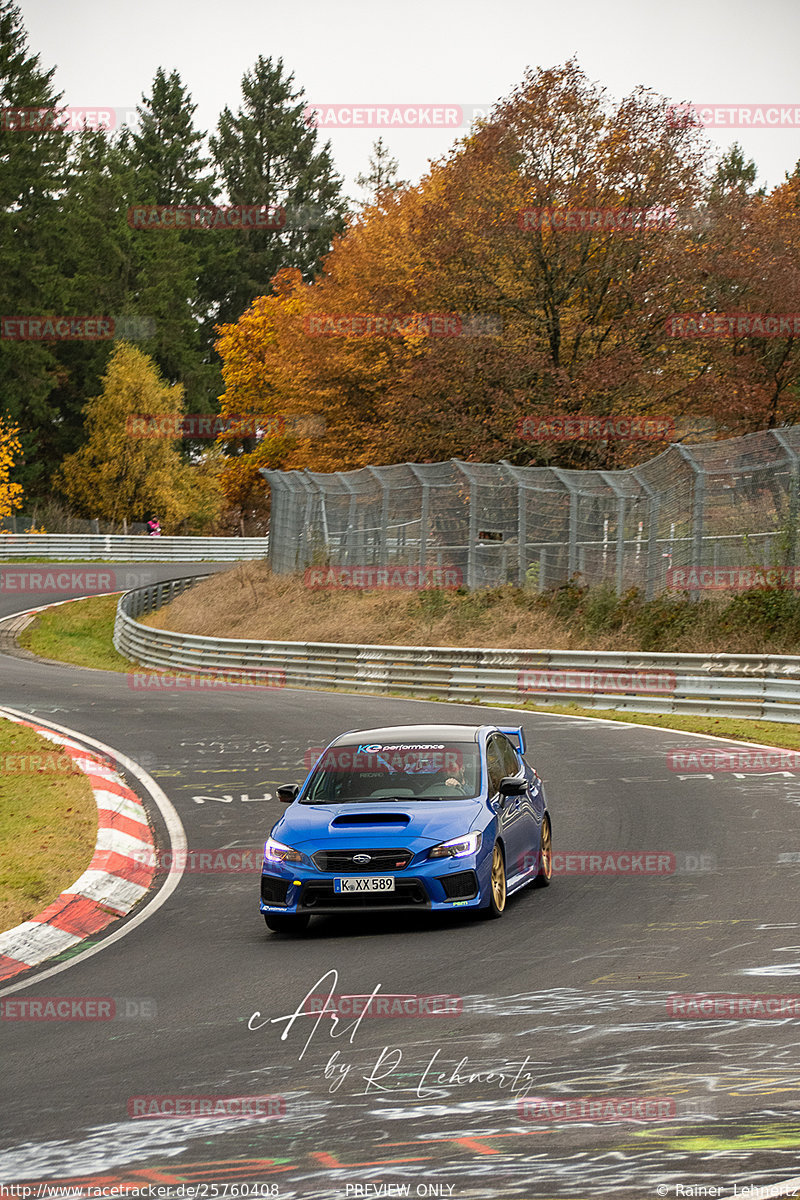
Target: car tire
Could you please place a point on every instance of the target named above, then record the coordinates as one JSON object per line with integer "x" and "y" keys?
{"x": 545, "y": 872}
{"x": 497, "y": 886}
{"x": 290, "y": 923}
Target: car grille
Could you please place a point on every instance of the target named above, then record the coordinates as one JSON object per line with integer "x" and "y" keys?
{"x": 380, "y": 860}
{"x": 273, "y": 891}
{"x": 463, "y": 886}
{"x": 408, "y": 893}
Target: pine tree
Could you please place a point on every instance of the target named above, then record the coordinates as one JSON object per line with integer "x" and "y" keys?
{"x": 382, "y": 175}
{"x": 97, "y": 267}
{"x": 267, "y": 154}
{"x": 171, "y": 267}
{"x": 733, "y": 176}
{"x": 32, "y": 235}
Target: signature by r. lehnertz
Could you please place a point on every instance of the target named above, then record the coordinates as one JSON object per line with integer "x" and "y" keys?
{"x": 433, "y": 1082}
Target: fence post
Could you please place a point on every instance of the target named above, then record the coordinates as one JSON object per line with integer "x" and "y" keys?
{"x": 304, "y": 552}
{"x": 794, "y": 497}
{"x": 698, "y": 508}
{"x": 472, "y": 536}
{"x": 423, "y": 517}
{"x": 653, "y": 559}
{"x": 351, "y": 518}
{"x": 383, "y": 531}
{"x": 522, "y": 521}
{"x": 572, "y": 553}
{"x": 607, "y": 477}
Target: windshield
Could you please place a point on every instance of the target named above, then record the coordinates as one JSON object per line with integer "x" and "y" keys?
{"x": 395, "y": 771}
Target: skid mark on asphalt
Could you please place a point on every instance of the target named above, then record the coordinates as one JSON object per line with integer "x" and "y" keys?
{"x": 758, "y": 1149}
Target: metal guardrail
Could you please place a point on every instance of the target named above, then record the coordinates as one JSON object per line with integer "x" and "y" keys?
{"x": 117, "y": 547}
{"x": 744, "y": 685}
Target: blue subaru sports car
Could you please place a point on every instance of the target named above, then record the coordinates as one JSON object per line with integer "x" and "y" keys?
{"x": 407, "y": 818}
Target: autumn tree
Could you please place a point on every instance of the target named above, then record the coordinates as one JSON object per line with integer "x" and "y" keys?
{"x": 10, "y": 448}
{"x": 128, "y": 467}
{"x": 748, "y": 265}
{"x": 549, "y": 320}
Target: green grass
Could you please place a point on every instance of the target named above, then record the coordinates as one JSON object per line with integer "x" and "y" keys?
{"x": 48, "y": 823}
{"x": 79, "y": 633}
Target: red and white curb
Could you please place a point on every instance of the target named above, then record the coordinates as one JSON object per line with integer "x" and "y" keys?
{"x": 117, "y": 878}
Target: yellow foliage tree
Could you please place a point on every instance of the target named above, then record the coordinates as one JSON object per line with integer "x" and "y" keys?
{"x": 119, "y": 473}
{"x": 10, "y": 493}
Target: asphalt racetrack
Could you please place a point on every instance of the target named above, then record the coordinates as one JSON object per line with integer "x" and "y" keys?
{"x": 566, "y": 998}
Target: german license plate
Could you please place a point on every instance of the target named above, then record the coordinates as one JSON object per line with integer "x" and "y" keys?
{"x": 367, "y": 883}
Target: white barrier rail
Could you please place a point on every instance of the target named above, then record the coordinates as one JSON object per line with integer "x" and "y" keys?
{"x": 117, "y": 547}
{"x": 746, "y": 685}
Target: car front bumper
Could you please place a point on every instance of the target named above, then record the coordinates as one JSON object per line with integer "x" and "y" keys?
{"x": 436, "y": 884}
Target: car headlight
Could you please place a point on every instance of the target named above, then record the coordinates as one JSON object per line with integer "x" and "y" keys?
{"x": 276, "y": 852}
{"x": 459, "y": 847}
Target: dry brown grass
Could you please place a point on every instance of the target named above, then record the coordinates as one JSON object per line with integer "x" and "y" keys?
{"x": 251, "y": 602}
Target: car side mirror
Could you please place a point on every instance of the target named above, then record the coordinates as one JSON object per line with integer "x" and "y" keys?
{"x": 287, "y": 792}
{"x": 513, "y": 785}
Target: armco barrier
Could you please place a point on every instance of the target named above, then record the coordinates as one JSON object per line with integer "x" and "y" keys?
{"x": 117, "y": 547}
{"x": 743, "y": 685}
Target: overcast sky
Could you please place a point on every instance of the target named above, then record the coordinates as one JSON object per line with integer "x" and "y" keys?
{"x": 448, "y": 52}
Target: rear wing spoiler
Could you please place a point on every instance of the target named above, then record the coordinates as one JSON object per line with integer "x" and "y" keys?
{"x": 516, "y": 734}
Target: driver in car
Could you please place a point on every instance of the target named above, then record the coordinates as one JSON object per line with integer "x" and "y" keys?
{"x": 437, "y": 776}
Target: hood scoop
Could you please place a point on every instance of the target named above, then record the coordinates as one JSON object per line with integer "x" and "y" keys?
{"x": 349, "y": 820}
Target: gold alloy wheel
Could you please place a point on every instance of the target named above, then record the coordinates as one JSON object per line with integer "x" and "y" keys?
{"x": 546, "y": 851}
{"x": 498, "y": 879}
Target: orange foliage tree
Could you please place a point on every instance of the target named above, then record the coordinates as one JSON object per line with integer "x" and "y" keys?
{"x": 556, "y": 320}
